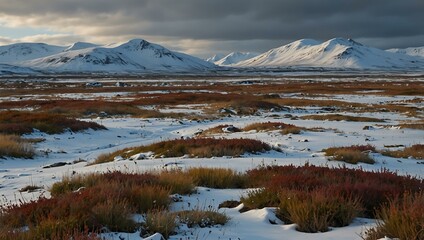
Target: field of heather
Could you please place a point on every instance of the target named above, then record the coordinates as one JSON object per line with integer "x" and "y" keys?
{"x": 267, "y": 157}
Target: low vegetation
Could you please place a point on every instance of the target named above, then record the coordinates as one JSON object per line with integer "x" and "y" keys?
{"x": 92, "y": 202}
{"x": 415, "y": 151}
{"x": 193, "y": 147}
{"x": 316, "y": 198}
{"x": 352, "y": 154}
{"x": 339, "y": 117}
{"x": 15, "y": 146}
{"x": 271, "y": 126}
{"x": 401, "y": 218}
{"x": 19, "y": 122}
{"x": 217, "y": 177}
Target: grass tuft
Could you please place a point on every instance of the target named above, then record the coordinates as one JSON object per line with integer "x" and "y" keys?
{"x": 402, "y": 218}
{"x": 217, "y": 177}
{"x": 15, "y": 146}
{"x": 352, "y": 154}
{"x": 416, "y": 151}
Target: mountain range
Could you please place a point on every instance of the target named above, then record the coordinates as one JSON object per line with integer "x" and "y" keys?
{"x": 336, "y": 53}
{"x": 141, "y": 56}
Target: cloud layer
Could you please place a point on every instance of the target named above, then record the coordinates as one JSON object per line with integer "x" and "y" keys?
{"x": 193, "y": 26}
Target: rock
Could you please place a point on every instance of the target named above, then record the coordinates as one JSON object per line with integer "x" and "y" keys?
{"x": 58, "y": 164}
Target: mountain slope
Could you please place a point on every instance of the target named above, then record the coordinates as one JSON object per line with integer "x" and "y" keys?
{"x": 335, "y": 53}
{"x": 17, "y": 52}
{"x": 234, "y": 58}
{"x": 79, "y": 46}
{"x": 412, "y": 51}
{"x": 134, "y": 56}
{"x": 6, "y": 69}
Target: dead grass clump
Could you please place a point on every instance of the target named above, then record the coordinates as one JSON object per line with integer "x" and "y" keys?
{"x": 248, "y": 107}
{"x": 217, "y": 177}
{"x": 219, "y": 129}
{"x": 339, "y": 117}
{"x": 160, "y": 221}
{"x": 271, "y": 126}
{"x": 402, "y": 218}
{"x": 177, "y": 181}
{"x": 352, "y": 154}
{"x": 202, "y": 218}
{"x": 315, "y": 211}
{"x": 415, "y": 151}
{"x": 18, "y": 122}
{"x": 195, "y": 147}
{"x": 15, "y": 146}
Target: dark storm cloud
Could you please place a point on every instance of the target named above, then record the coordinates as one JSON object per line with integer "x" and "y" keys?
{"x": 385, "y": 21}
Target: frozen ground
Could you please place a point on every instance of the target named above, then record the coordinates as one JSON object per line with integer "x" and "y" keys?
{"x": 255, "y": 224}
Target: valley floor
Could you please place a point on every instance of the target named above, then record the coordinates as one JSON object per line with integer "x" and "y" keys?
{"x": 387, "y": 113}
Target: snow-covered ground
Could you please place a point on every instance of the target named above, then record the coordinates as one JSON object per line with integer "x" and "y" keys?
{"x": 255, "y": 224}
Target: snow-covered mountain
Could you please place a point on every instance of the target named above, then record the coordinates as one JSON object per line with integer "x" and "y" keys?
{"x": 79, "y": 46}
{"x": 17, "y": 52}
{"x": 234, "y": 58}
{"x": 335, "y": 53}
{"x": 6, "y": 69}
{"x": 136, "y": 55}
{"x": 412, "y": 51}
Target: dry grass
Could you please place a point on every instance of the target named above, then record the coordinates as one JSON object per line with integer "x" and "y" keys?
{"x": 194, "y": 147}
{"x": 315, "y": 211}
{"x": 352, "y": 154}
{"x": 15, "y": 146}
{"x": 372, "y": 188}
{"x": 88, "y": 203}
{"x": 19, "y": 122}
{"x": 218, "y": 129}
{"x": 202, "y": 218}
{"x": 160, "y": 221}
{"x": 339, "y": 117}
{"x": 415, "y": 151}
{"x": 216, "y": 177}
{"x": 271, "y": 126}
{"x": 402, "y": 218}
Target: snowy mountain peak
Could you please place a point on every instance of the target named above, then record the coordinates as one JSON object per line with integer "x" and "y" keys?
{"x": 79, "y": 46}
{"x": 136, "y": 55}
{"x": 234, "y": 58}
{"x": 26, "y": 51}
{"x": 338, "y": 53}
{"x": 303, "y": 43}
{"x": 343, "y": 41}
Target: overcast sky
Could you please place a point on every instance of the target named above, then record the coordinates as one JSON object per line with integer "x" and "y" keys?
{"x": 205, "y": 27}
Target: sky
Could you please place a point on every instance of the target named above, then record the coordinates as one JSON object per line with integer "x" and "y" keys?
{"x": 207, "y": 27}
